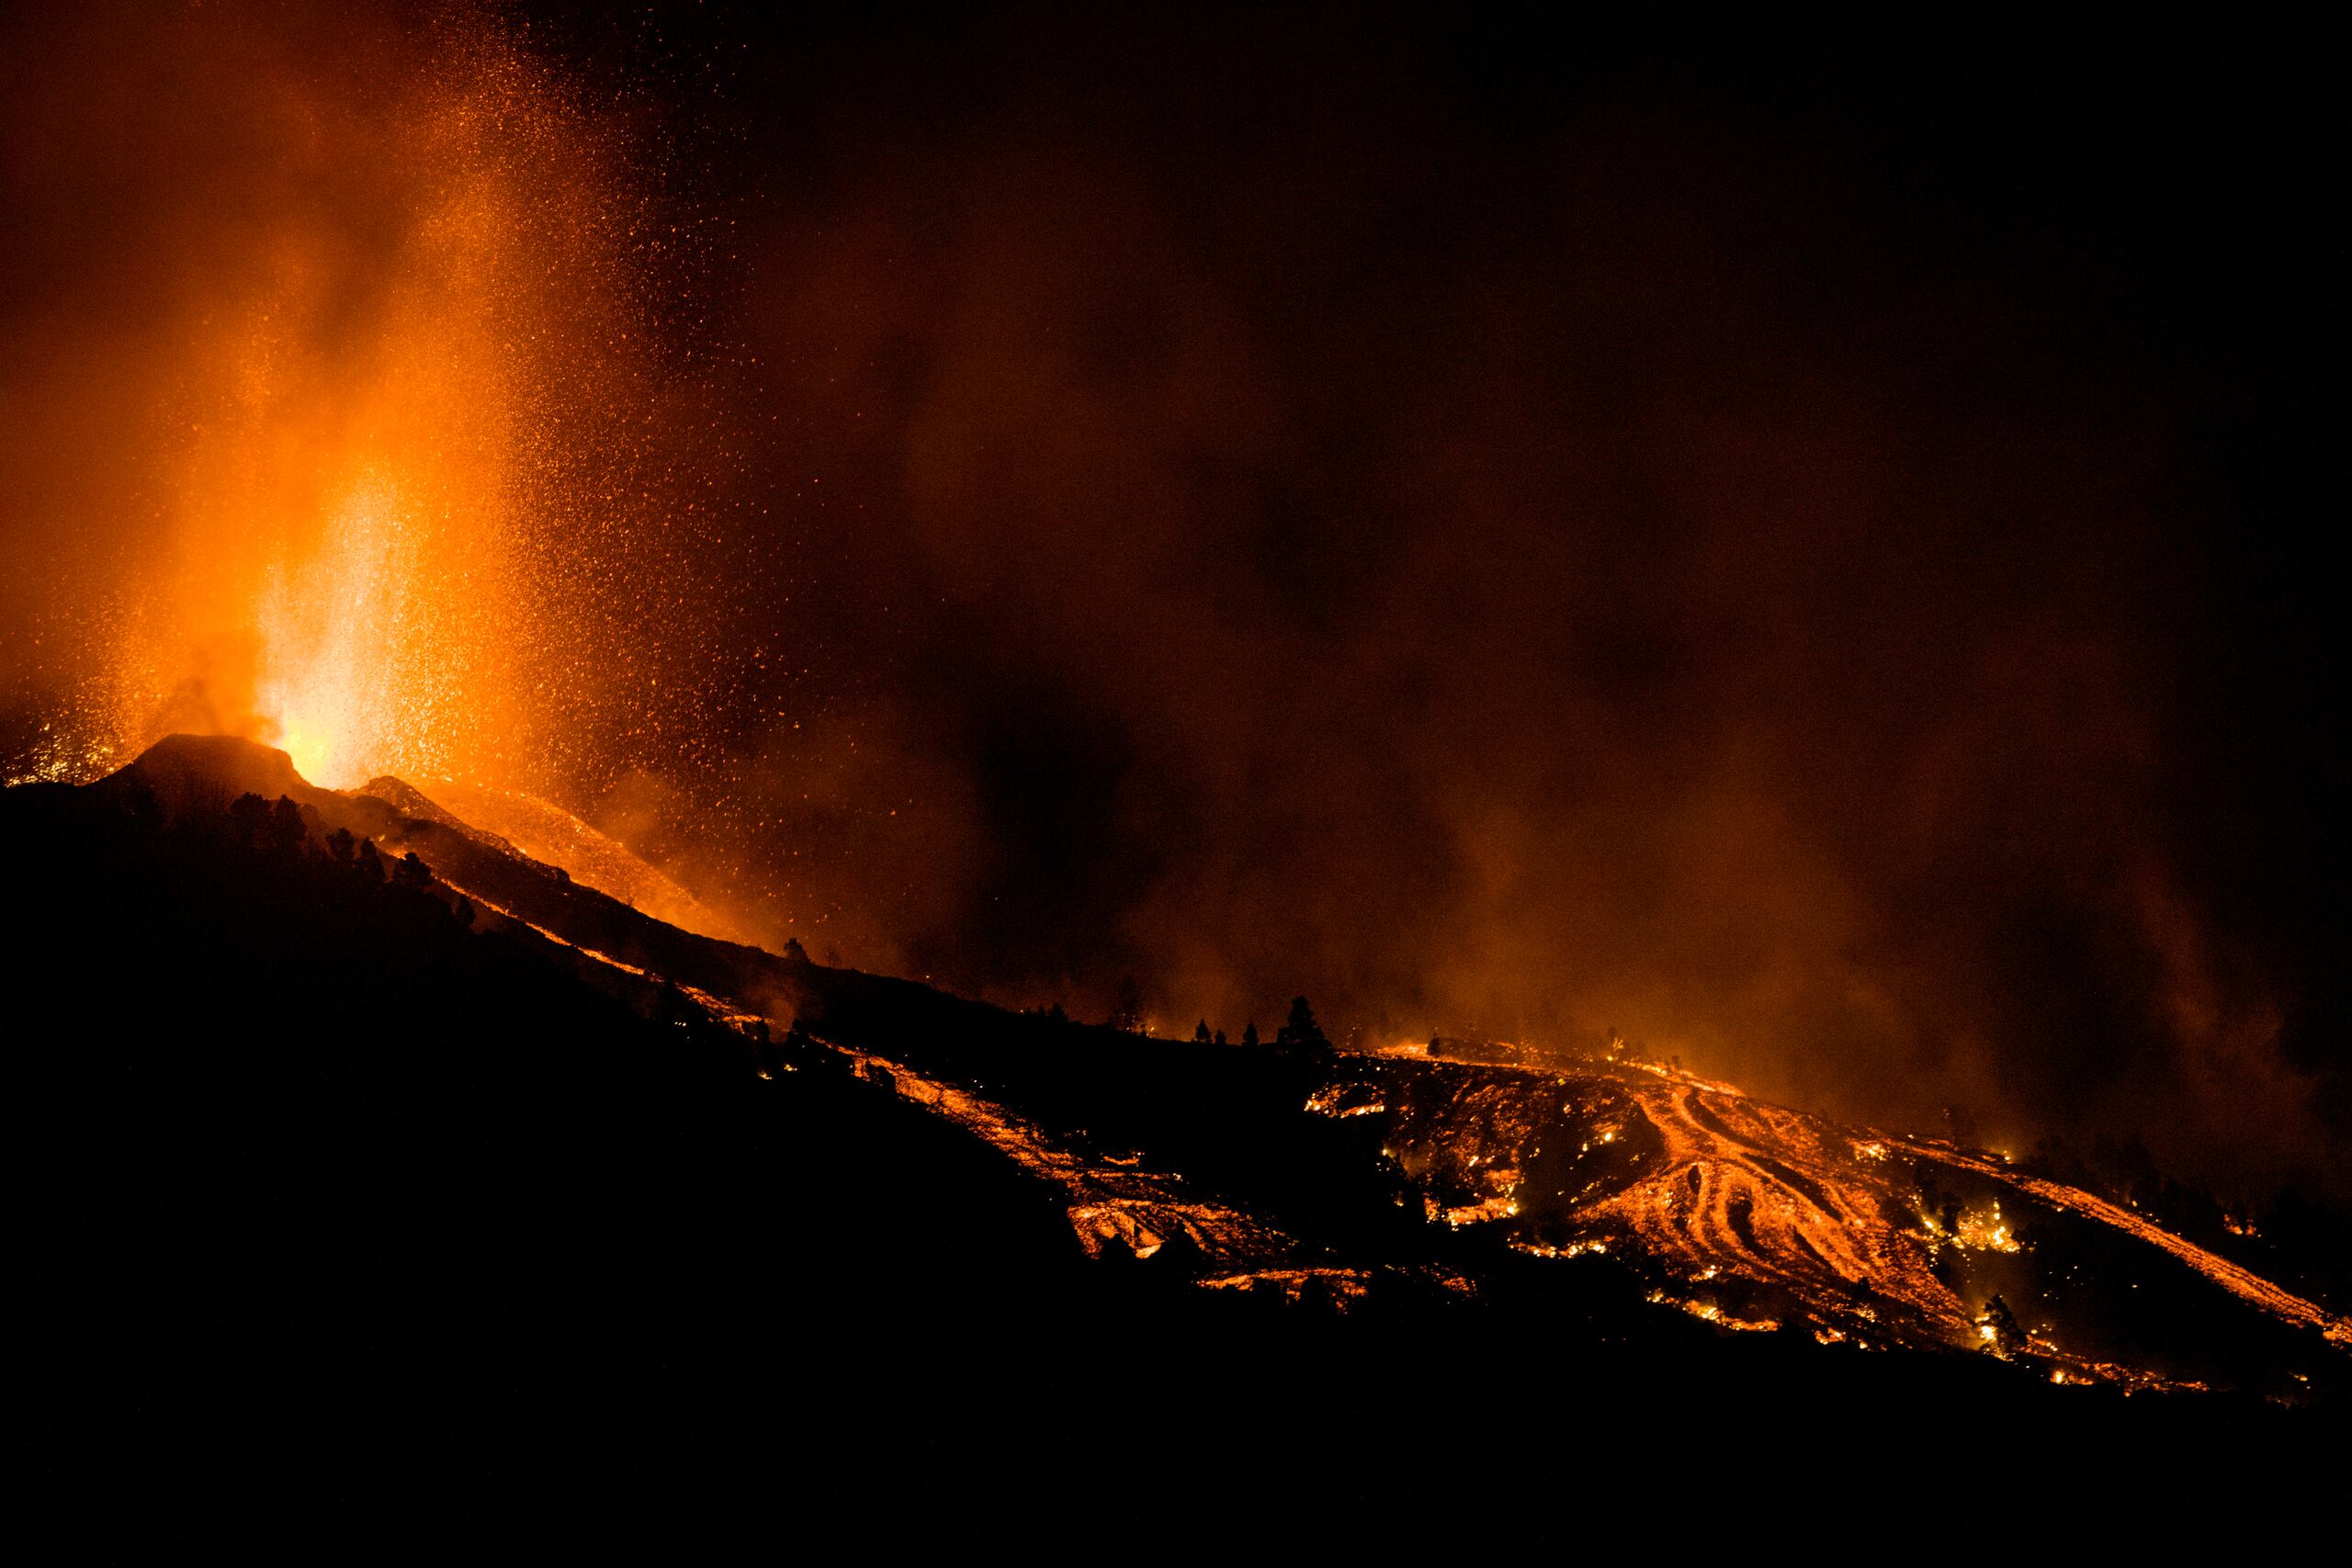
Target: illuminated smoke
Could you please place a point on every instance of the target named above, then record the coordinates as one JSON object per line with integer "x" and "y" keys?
{"x": 1613, "y": 574}
{"x": 380, "y": 389}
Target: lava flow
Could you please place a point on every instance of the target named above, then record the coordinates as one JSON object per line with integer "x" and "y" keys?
{"x": 1753, "y": 1215}
{"x": 1114, "y": 1200}
{"x": 1766, "y": 1190}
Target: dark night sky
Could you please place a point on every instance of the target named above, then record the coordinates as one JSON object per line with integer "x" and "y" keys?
{"x": 1793, "y": 543}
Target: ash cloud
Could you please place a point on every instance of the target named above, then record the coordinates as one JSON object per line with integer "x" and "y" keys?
{"x": 1771, "y": 549}
{"x": 1555, "y": 554}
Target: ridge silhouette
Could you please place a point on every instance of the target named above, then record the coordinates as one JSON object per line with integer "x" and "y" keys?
{"x": 366, "y": 1148}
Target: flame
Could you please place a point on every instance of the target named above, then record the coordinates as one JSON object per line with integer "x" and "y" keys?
{"x": 1985, "y": 1232}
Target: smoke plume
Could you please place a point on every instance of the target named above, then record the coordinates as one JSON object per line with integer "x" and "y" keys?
{"x": 1495, "y": 529}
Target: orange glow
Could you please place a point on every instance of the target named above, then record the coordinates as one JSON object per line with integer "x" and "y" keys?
{"x": 1985, "y": 1232}
{"x": 343, "y": 683}
{"x": 345, "y": 517}
{"x": 1740, "y": 1200}
{"x": 374, "y": 478}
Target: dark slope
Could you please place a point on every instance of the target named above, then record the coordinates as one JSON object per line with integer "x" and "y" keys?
{"x": 319, "y": 1180}
{"x": 304, "y": 1156}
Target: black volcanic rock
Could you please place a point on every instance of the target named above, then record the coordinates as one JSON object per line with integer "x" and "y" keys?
{"x": 298, "y": 1135}
{"x": 206, "y": 771}
{"x": 414, "y": 804}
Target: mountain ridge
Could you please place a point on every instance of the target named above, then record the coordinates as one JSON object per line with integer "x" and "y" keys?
{"x": 1345, "y": 1182}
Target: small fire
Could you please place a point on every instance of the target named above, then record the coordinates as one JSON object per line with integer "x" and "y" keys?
{"x": 1709, "y": 1312}
{"x": 1501, "y": 1206}
{"x": 1985, "y": 1231}
{"x": 1331, "y": 1101}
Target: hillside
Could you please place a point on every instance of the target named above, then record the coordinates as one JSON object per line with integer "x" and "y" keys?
{"x": 361, "y": 1148}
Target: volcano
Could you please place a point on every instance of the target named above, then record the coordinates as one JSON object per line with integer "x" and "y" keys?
{"x": 337, "y": 1085}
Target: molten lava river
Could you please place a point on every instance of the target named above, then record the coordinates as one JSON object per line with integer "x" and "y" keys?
{"x": 1755, "y": 1216}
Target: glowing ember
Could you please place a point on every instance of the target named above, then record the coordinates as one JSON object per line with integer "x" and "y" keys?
{"x": 1110, "y": 1203}
{"x": 1324, "y": 1103}
{"x": 1985, "y": 1231}
{"x": 1708, "y": 1312}
{"x": 1754, "y": 1201}
{"x": 2241, "y": 1282}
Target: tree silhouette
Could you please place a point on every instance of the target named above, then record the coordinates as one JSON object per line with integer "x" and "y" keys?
{"x": 411, "y": 872}
{"x": 1302, "y": 1032}
{"x": 1200, "y": 1032}
{"x": 249, "y": 819}
{"x": 285, "y": 831}
{"x": 341, "y": 846}
{"x": 1126, "y": 1006}
{"x": 370, "y": 863}
{"x": 1249, "y": 1034}
{"x": 1999, "y": 1326}
{"x": 1220, "y": 1038}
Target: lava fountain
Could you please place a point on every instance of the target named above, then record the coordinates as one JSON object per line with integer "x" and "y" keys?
{"x": 346, "y": 512}
{"x": 330, "y": 634}
{"x": 379, "y": 410}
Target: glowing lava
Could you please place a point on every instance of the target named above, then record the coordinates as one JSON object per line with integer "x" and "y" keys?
{"x": 1755, "y": 1211}
{"x": 346, "y": 676}
{"x": 378, "y": 433}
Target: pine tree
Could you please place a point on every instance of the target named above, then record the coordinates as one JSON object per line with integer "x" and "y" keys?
{"x": 249, "y": 819}
{"x": 1302, "y": 1032}
{"x": 285, "y": 832}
